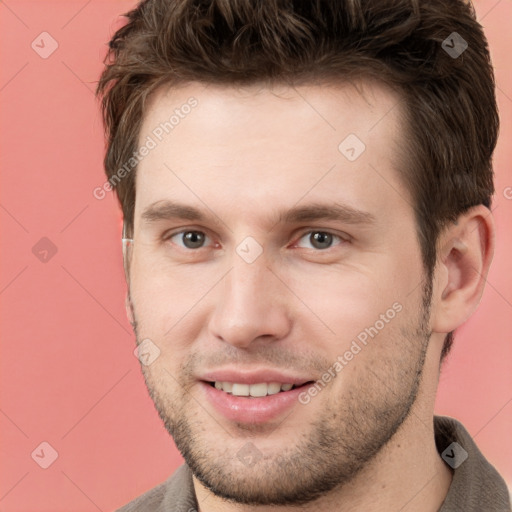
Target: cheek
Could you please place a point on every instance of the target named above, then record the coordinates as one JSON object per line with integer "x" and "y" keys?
{"x": 167, "y": 302}
{"x": 334, "y": 304}
{"x": 349, "y": 301}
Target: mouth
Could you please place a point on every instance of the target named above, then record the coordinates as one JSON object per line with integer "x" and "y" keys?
{"x": 259, "y": 390}
{"x": 257, "y": 403}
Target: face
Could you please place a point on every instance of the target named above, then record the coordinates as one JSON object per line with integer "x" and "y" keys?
{"x": 274, "y": 245}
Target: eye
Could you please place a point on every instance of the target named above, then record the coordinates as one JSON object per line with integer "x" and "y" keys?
{"x": 189, "y": 239}
{"x": 320, "y": 240}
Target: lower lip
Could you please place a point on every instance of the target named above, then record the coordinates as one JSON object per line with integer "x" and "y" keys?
{"x": 250, "y": 409}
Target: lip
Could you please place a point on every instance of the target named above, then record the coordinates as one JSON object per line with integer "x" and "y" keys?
{"x": 251, "y": 409}
{"x": 254, "y": 377}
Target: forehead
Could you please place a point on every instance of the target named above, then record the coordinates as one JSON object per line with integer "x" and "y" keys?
{"x": 359, "y": 106}
{"x": 254, "y": 145}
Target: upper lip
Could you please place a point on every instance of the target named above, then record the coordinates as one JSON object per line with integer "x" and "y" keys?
{"x": 254, "y": 376}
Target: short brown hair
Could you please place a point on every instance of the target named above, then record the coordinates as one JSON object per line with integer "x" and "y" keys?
{"x": 449, "y": 98}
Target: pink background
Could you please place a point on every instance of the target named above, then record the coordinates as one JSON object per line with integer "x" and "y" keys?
{"x": 68, "y": 373}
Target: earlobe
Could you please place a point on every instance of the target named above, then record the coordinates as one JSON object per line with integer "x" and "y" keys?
{"x": 464, "y": 258}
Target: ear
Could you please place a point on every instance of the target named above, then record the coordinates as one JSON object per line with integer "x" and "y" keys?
{"x": 465, "y": 251}
{"x": 127, "y": 256}
{"x": 129, "y": 310}
{"x": 127, "y": 253}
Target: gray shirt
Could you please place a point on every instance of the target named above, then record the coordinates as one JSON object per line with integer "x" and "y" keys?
{"x": 476, "y": 486}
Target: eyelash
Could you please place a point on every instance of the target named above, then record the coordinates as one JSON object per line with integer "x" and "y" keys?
{"x": 167, "y": 238}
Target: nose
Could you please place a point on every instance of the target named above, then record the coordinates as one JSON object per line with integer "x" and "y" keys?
{"x": 252, "y": 306}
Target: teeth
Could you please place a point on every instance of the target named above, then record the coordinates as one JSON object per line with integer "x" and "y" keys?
{"x": 273, "y": 388}
{"x": 240, "y": 389}
{"x": 255, "y": 390}
{"x": 258, "y": 389}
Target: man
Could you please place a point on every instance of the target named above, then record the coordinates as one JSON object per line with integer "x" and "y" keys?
{"x": 305, "y": 189}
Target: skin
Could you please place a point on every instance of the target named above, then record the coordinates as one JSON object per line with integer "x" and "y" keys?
{"x": 242, "y": 156}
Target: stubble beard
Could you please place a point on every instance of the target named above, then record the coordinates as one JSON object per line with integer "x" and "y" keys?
{"x": 343, "y": 439}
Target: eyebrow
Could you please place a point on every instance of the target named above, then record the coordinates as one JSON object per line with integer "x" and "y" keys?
{"x": 168, "y": 210}
{"x": 320, "y": 211}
